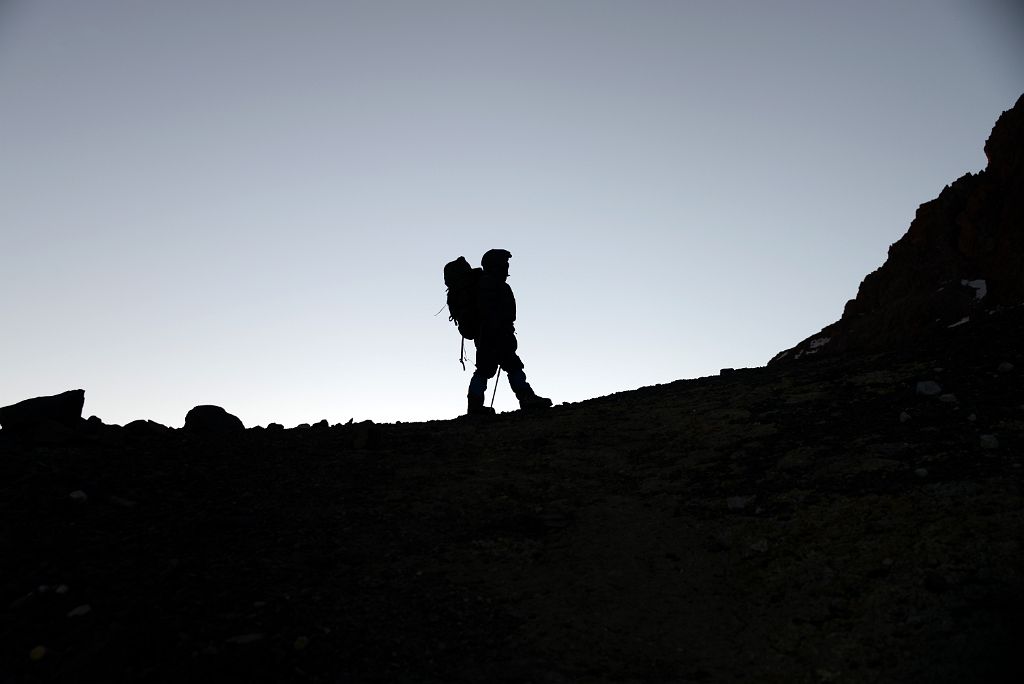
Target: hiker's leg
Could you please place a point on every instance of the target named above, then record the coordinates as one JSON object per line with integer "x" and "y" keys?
{"x": 513, "y": 365}
{"x": 486, "y": 367}
{"x": 478, "y": 383}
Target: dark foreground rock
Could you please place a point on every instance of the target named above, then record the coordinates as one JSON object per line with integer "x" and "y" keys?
{"x": 40, "y": 416}
{"x": 207, "y": 420}
{"x": 824, "y": 522}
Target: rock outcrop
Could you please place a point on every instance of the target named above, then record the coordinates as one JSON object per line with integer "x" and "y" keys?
{"x": 208, "y": 419}
{"x": 60, "y": 411}
{"x": 962, "y": 255}
{"x": 145, "y": 427}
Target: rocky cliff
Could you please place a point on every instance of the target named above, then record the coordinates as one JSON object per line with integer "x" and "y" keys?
{"x": 962, "y": 257}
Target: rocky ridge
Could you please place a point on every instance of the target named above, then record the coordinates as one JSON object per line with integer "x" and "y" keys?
{"x": 962, "y": 256}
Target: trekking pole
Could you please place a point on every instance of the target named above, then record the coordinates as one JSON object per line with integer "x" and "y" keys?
{"x": 495, "y": 386}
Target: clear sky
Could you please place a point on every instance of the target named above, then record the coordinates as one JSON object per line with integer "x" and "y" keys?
{"x": 249, "y": 203}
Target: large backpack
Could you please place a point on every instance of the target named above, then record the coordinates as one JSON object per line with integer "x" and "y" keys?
{"x": 463, "y": 282}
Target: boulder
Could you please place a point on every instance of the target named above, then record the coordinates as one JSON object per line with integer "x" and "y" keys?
{"x": 31, "y": 415}
{"x": 146, "y": 428}
{"x": 208, "y": 419}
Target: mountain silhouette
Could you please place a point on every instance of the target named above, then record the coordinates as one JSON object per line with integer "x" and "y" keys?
{"x": 962, "y": 256}
{"x": 849, "y": 513}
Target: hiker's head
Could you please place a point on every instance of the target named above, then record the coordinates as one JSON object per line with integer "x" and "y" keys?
{"x": 495, "y": 262}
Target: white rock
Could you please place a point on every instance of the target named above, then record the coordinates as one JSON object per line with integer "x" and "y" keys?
{"x": 79, "y": 496}
{"x": 973, "y": 417}
{"x": 23, "y": 601}
{"x": 81, "y": 610}
{"x": 1005, "y": 367}
{"x": 980, "y": 287}
{"x": 904, "y": 417}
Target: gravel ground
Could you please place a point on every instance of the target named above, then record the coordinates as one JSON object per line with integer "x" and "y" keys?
{"x": 821, "y": 522}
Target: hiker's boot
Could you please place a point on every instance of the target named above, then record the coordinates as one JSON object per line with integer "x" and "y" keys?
{"x": 476, "y": 406}
{"x": 528, "y": 399}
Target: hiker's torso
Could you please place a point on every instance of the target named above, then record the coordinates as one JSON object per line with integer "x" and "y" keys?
{"x": 497, "y": 308}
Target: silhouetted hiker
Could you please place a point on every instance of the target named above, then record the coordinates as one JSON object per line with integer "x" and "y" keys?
{"x": 496, "y": 337}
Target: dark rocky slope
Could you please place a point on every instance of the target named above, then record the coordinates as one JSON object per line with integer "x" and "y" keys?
{"x": 810, "y": 523}
{"x": 963, "y": 255}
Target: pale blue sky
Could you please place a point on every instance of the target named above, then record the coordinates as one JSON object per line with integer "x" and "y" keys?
{"x": 250, "y": 203}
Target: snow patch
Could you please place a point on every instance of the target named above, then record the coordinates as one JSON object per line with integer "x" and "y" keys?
{"x": 980, "y": 288}
{"x": 814, "y": 346}
{"x": 963, "y": 320}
